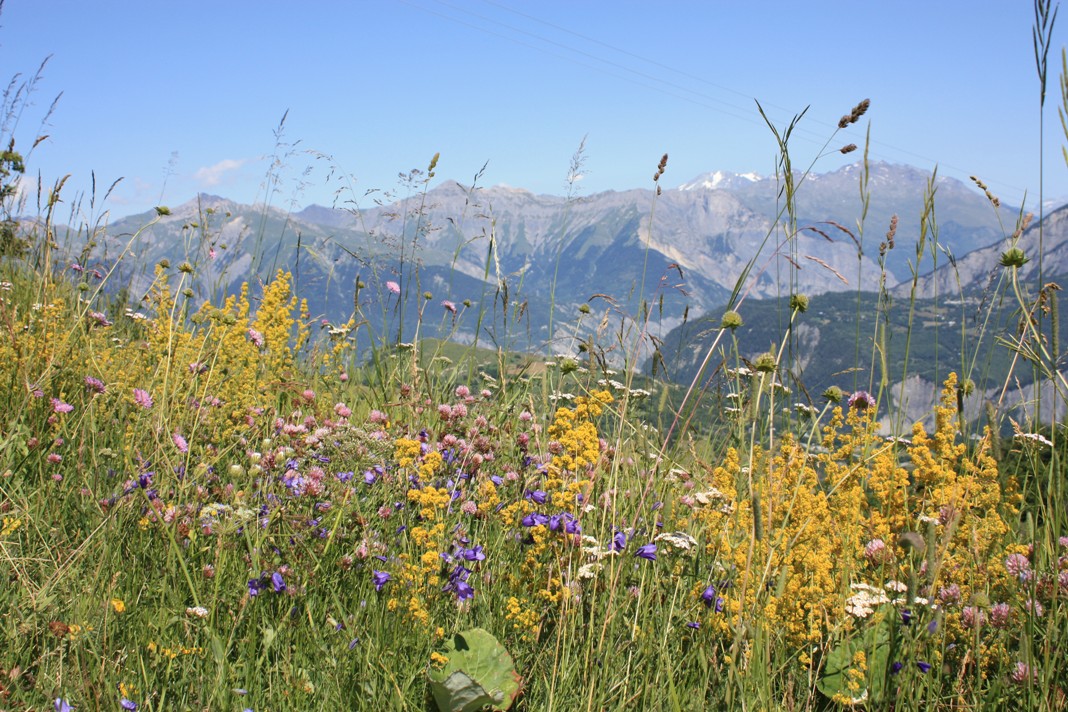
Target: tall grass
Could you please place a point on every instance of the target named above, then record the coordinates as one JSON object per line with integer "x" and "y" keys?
{"x": 204, "y": 506}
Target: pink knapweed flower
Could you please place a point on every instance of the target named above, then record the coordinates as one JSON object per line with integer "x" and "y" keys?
{"x": 448, "y": 306}
{"x": 59, "y": 406}
{"x": 393, "y": 287}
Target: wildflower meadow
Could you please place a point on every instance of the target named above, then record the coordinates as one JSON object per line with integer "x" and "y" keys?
{"x": 226, "y": 504}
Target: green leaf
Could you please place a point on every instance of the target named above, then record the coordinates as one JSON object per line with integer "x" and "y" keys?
{"x": 479, "y": 674}
{"x": 876, "y": 646}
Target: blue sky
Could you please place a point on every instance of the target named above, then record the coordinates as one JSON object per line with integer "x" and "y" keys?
{"x": 177, "y": 98}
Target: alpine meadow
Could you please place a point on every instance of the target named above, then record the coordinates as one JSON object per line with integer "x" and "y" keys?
{"x": 466, "y": 448}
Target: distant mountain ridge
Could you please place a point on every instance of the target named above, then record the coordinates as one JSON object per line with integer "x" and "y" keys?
{"x": 682, "y": 251}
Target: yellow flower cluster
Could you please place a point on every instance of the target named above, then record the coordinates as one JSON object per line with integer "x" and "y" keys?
{"x": 524, "y": 619}
{"x": 172, "y": 653}
{"x": 430, "y": 499}
{"x": 791, "y": 530}
{"x": 574, "y": 430}
{"x": 406, "y": 451}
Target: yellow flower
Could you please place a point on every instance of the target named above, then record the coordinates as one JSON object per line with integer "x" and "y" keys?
{"x": 118, "y": 605}
{"x": 10, "y": 525}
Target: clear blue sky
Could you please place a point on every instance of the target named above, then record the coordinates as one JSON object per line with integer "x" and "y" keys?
{"x": 177, "y": 98}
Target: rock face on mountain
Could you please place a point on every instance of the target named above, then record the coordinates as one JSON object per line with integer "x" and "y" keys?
{"x": 975, "y": 270}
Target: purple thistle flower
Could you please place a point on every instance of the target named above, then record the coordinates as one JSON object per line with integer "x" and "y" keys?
{"x": 94, "y": 384}
{"x": 278, "y": 582}
{"x": 646, "y": 551}
{"x": 379, "y": 578}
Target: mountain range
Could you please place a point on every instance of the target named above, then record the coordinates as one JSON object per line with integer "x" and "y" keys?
{"x": 542, "y": 256}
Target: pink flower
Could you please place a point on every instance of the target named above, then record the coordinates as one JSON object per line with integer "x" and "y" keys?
{"x": 949, "y": 595}
{"x": 462, "y": 391}
{"x": 309, "y": 395}
{"x": 449, "y": 306}
{"x": 444, "y": 411}
{"x": 1000, "y": 615}
{"x": 94, "y": 384}
{"x": 1017, "y": 565}
{"x": 342, "y": 410}
{"x": 256, "y": 338}
{"x": 1022, "y": 672}
{"x": 55, "y": 458}
{"x": 180, "y": 443}
{"x": 344, "y": 377}
{"x": 142, "y": 398}
{"x": 861, "y": 400}
{"x": 469, "y": 507}
{"x": 59, "y": 406}
{"x": 876, "y": 552}
{"x": 393, "y": 287}
{"x": 972, "y": 617}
